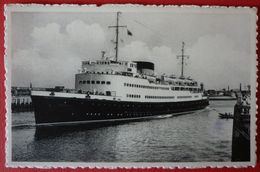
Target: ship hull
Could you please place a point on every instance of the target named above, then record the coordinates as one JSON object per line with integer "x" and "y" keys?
{"x": 61, "y": 110}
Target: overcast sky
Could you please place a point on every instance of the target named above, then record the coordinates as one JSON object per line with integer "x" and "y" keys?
{"x": 48, "y": 47}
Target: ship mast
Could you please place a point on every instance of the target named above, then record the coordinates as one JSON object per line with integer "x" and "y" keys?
{"x": 182, "y": 56}
{"x": 117, "y": 26}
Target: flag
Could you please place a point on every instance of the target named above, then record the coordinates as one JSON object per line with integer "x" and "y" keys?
{"x": 129, "y": 33}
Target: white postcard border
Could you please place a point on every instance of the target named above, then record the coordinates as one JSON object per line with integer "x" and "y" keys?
{"x": 129, "y": 8}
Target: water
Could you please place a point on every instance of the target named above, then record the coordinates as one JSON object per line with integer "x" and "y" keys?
{"x": 195, "y": 137}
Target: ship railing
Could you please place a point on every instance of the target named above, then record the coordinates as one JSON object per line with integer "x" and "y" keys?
{"x": 141, "y": 76}
{"x": 66, "y": 90}
{"x": 92, "y": 93}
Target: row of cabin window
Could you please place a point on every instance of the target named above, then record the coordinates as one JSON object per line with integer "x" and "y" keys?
{"x": 185, "y": 88}
{"x": 92, "y": 72}
{"x": 182, "y": 97}
{"x": 159, "y": 97}
{"x": 95, "y": 82}
{"x": 145, "y": 86}
{"x": 111, "y": 72}
{"x": 88, "y": 63}
{"x": 133, "y": 95}
{"x": 184, "y": 83}
{"x": 133, "y": 65}
{"x": 108, "y": 63}
{"x": 104, "y": 62}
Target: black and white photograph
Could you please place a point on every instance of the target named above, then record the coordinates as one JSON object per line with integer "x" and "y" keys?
{"x": 130, "y": 86}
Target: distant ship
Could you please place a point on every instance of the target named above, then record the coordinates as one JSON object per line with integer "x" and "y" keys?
{"x": 115, "y": 91}
{"x": 222, "y": 95}
{"x": 222, "y": 98}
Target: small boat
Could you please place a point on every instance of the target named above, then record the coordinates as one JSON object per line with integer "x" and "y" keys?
{"x": 226, "y": 115}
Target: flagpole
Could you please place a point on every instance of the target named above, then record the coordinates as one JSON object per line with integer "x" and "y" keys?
{"x": 182, "y": 56}
{"x": 117, "y": 34}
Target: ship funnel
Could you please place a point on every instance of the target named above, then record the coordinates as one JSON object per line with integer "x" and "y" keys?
{"x": 144, "y": 67}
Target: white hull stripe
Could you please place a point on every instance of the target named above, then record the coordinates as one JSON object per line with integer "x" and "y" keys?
{"x": 100, "y": 97}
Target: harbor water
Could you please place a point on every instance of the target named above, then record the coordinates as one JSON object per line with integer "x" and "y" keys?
{"x": 195, "y": 137}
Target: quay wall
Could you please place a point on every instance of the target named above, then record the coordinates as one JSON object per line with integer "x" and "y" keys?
{"x": 21, "y": 104}
{"x": 241, "y": 132}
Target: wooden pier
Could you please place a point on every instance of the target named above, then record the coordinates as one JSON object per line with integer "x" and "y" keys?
{"x": 21, "y": 99}
{"x": 21, "y": 104}
{"x": 241, "y": 131}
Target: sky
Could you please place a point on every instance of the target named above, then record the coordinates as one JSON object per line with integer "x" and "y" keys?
{"x": 47, "y": 47}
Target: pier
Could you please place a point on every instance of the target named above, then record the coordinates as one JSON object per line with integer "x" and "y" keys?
{"x": 21, "y": 99}
{"x": 241, "y": 130}
{"x": 227, "y": 93}
{"x": 21, "y": 104}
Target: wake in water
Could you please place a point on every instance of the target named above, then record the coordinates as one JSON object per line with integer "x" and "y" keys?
{"x": 19, "y": 126}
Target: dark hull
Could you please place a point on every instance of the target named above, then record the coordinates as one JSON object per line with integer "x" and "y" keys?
{"x": 58, "y": 110}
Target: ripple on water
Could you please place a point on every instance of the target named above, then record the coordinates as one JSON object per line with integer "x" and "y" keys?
{"x": 200, "y": 136}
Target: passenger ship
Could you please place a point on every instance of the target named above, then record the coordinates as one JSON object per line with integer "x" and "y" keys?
{"x": 113, "y": 90}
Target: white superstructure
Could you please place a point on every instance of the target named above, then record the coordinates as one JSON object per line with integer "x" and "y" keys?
{"x": 129, "y": 81}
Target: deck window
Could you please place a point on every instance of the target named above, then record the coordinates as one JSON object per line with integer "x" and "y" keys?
{"x": 92, "y": 82}
{"x": 98, "y": 82}
{"x": 108, "y": 82}
{"x": 103, "y": 82}
{"x": 88, "y": 81}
